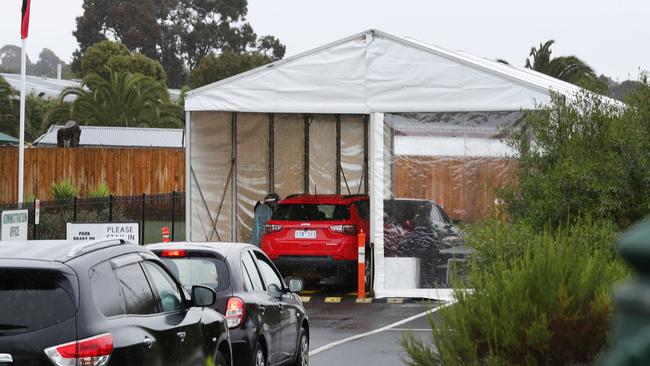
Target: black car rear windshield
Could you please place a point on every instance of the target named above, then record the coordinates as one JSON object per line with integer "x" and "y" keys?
{"x": 33, "y": 299}
{"x": 311, "y": 212}
{"x": 200, "y": 270}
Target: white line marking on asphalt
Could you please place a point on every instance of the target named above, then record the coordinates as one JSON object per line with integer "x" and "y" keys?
{"x": 411, "y": 330}
{"x": 379, "y": 330}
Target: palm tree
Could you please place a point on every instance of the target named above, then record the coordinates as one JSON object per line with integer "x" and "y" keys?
{"x": 568, "y": 68}
{"x": 8, "y": 108}
{"x": 124, "y": 99}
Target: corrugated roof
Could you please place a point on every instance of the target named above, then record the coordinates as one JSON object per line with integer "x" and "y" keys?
{"x": 48, "y": 86}
{"x": 119, "y": 136}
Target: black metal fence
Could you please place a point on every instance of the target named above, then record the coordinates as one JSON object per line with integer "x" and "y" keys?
{"x": 152, "y": 213}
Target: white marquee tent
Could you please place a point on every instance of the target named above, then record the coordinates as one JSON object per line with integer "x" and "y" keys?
{"x": 375, "y": 103}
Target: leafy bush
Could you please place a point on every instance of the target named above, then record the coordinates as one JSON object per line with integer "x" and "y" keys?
{"x": 100, "y": 191}
{"x": 583, "y": 157}
{"x": 538, "y": 298}
{"x": 64, "y": 189}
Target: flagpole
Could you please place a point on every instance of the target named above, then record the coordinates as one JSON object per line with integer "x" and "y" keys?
{"x": 21, "y": 146}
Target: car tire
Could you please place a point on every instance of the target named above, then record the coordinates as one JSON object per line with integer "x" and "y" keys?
{"x": 302, "y": 353}
{"x": 219, "y": 359}
{"x": 258, "y": 358}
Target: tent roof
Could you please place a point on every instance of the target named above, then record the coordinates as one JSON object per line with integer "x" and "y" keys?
{"x": 374, "y": 71}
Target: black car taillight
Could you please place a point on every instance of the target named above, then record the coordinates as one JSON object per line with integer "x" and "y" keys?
{"x": 94, "y": 351}
{"x": 235, "y": 312}
{"x": 272, "y": 228}
{"x": 344, "y": 229}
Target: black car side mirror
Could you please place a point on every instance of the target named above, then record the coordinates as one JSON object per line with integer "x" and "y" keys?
{"x": 203, "y": 296}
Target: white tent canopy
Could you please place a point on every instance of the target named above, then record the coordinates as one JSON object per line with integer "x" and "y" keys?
{"x": 370, "y": 73}
{"x": 365, "y": 73}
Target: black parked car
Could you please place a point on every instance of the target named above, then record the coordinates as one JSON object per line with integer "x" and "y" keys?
{"x": 268, "y": 324}
{"x": 102, "y": 303}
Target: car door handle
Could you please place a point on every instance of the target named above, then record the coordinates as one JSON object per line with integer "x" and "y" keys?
{"x": 181, "y": 335}
{"x": 148, "y": 342}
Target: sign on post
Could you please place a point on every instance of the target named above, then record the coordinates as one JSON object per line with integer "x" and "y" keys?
{"x": 14, "y": 225}
{"x": 37, "y": 212}
{"x": 85, "y": 232}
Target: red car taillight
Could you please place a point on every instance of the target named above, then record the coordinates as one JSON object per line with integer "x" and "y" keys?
{"x": 235, "y": 311}
{"x": 272, "y": 228}
{"x": 94, "y": 351}
{"x": 173, "y": 253}
{"x": 344, "y": 229}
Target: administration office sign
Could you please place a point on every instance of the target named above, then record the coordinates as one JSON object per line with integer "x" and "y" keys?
{"x": 114, "y": 230}
{"x": 14, "y": 225}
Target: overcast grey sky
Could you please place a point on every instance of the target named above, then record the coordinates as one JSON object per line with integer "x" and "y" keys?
{"x": 612, "y": 36}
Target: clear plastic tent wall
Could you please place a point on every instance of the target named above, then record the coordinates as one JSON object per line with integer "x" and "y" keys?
{"x": 437, "y": 169}
{"x": 260, "y": 153}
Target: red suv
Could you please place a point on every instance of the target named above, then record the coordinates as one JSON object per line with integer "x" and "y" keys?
{"x": 316, "y": 236}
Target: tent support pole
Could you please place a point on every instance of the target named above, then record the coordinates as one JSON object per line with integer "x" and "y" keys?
{"x": 233, "y": 179}
{"x": 271, "y": 152}
{"x": 306, "y": 154}
{"x": 188, "y": 177}
{"x": 377, "y": 196}
{"x": 366, "y": 123}
{"x": 339, "y": 170}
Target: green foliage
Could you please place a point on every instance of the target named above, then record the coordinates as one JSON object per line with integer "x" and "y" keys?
{"x": 100, "y": 191}
{"x": 107, "y": 56}
{"x": 36, "y": 108}
{"x": 538, "y": 298}
{"x": 178, "y": 33}
{"x": 9, "y": 112}
{"x": 214, "y": 68}
{"x": 124, "y": 99}
{"x": 64, "y": 190}
{"x": 583, "y": 158}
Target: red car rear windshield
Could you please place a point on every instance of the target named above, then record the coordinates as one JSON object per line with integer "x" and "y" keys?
{"x": 311, "y": 212}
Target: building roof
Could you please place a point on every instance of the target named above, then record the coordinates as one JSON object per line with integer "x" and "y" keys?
{"x": 119, "y": 137}
{"x": 373, "y": 71}
{"x": 8, "y": 140}
{"x": 52, "y": 88}
{"x": 37, "y": 84}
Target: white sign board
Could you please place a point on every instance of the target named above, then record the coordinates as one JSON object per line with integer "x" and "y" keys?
{"x": 37, "y": 212}
{"x": 114, "y": 230}
{"x": 14, "y": 225}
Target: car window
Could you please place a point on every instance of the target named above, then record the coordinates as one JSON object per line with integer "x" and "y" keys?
{"x": 137, "y": 294}
{"x": 169, "y": 296}
{"x": 364, "y": 209}
{"x": 252, "y": 273}
{"x": 444, "y": 215}
{"x": 106, "y": 292}
{"x": 33, "y": 299}
{"x": 435, "y": 214}
{"x": 206, "y": 271}
{"x": 311, "y": 212}
{"x": 268, "y": 273}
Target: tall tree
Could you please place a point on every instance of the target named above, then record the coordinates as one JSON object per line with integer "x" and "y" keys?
{"x": 107, "y": 56}
{"x": 179, "y": 33}
{"x": 568, "y": 68}
{"x": 10, "y": 59}
{"x": 122, "y": 99}
{"x": 214, "y": 68}
{"x": 47, "y": 63}
{"x": 8, "y": 108}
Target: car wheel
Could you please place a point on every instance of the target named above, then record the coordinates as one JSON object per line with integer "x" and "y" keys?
{"x": 219, "y": 359}
{"x": 302, "y": 354}
{"x": 258, "y": 355}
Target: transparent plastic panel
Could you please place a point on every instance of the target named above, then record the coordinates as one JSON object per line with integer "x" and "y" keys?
{"x": 439, "y": 168}
{"x": 252, "y": 168}
{"x": 354, "y": 170}
{"x": 211, "y": 150}
{"x": 322, "y": 154}
{"x": 289, "y": 152}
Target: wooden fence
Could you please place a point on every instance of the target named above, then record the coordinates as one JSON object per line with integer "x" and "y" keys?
{"x": 465, "y": 187}
{"x": 126, "y": 171}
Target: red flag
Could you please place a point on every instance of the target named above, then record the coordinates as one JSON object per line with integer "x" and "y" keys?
{"x": 24, "y": 24}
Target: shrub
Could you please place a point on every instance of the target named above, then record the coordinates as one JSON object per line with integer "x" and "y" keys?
{"x": 100, "y": 191}
{"x": 64, "y": 190}
{"x": 538, "y": 298}
{"x": 583, "y": 157}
